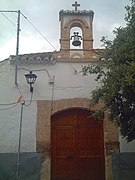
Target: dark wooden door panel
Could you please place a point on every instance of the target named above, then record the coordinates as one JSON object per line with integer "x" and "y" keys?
{"x": 89, "y": 168}
{"x": 64, "y": 169}
{"x": 64, "y": 160}
{"x": 77, "y": 146}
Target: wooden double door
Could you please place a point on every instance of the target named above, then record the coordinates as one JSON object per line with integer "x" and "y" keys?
{"x": 77, "y": 146}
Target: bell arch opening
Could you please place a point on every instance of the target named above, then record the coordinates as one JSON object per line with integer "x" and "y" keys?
{"x": 76, "y": 38}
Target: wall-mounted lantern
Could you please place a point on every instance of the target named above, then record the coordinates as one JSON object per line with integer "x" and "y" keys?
{"x": 31, "y": 78}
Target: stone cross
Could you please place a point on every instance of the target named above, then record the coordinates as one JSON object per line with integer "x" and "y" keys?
{"x": 76, "y": 5}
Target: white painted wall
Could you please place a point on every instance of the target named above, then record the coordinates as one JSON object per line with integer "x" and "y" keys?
{"x": 68, "y": 84}
{"x": 127, "y": 147}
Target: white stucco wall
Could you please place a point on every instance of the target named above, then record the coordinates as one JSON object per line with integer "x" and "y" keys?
{"x": 68, "y": 84}
{"x": 126, "y": 147}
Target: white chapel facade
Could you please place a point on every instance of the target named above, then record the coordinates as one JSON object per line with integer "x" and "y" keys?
{"x": 57, "y": 119}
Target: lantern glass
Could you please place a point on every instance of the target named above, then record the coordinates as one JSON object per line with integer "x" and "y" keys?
{"x": 30, "y": 78}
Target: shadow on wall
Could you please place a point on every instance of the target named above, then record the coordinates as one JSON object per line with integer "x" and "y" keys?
{"x": 123, "y": 166}
{"x": 30, "y": 165}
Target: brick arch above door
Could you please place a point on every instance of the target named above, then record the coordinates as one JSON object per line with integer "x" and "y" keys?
{"x": 45, "y": 109}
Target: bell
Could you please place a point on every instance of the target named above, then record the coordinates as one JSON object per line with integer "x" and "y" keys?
{"x": 76, "y": 41}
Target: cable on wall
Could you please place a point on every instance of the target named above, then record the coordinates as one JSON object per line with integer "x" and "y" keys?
{"x": 6, "y": 108}
{"x": 75, "y": 71}
{"x": 34, "y": 70}
{"x": 8, "y": 104}
{"x": 52, "y": 95}
{"x": 19, "y": 90}
{"x": 31, "y": 99}
{"x": 19, "y": 140}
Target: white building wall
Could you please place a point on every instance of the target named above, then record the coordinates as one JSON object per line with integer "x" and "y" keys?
{"x": 126, "y": 147}
{"x": 68, "y": 84}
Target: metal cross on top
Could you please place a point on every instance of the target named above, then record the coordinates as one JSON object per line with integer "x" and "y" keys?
{"x": 76, "y": 5}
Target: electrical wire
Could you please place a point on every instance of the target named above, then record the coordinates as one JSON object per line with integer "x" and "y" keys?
{"x": 10, "y": 107}
{"x": 43, "y": 70}
{"x": 8, "y": 104}
{"x": 37, "y": 30}
{"x": 31, "y": 98}
{"x": 19, "y": 90}
{"x": 19, "y": 144}
{"x": 31, "y": 25}
{"x": 8, "y": 19}
{"x": 52, "y": 96}
{"x": 25, "y": 69}
{"x": 12, "y": 104}
{"x": 73, "y": 68}
{"x": 36, "y": 70}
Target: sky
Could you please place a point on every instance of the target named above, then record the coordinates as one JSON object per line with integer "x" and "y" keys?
{"x": 44, "y": 16}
